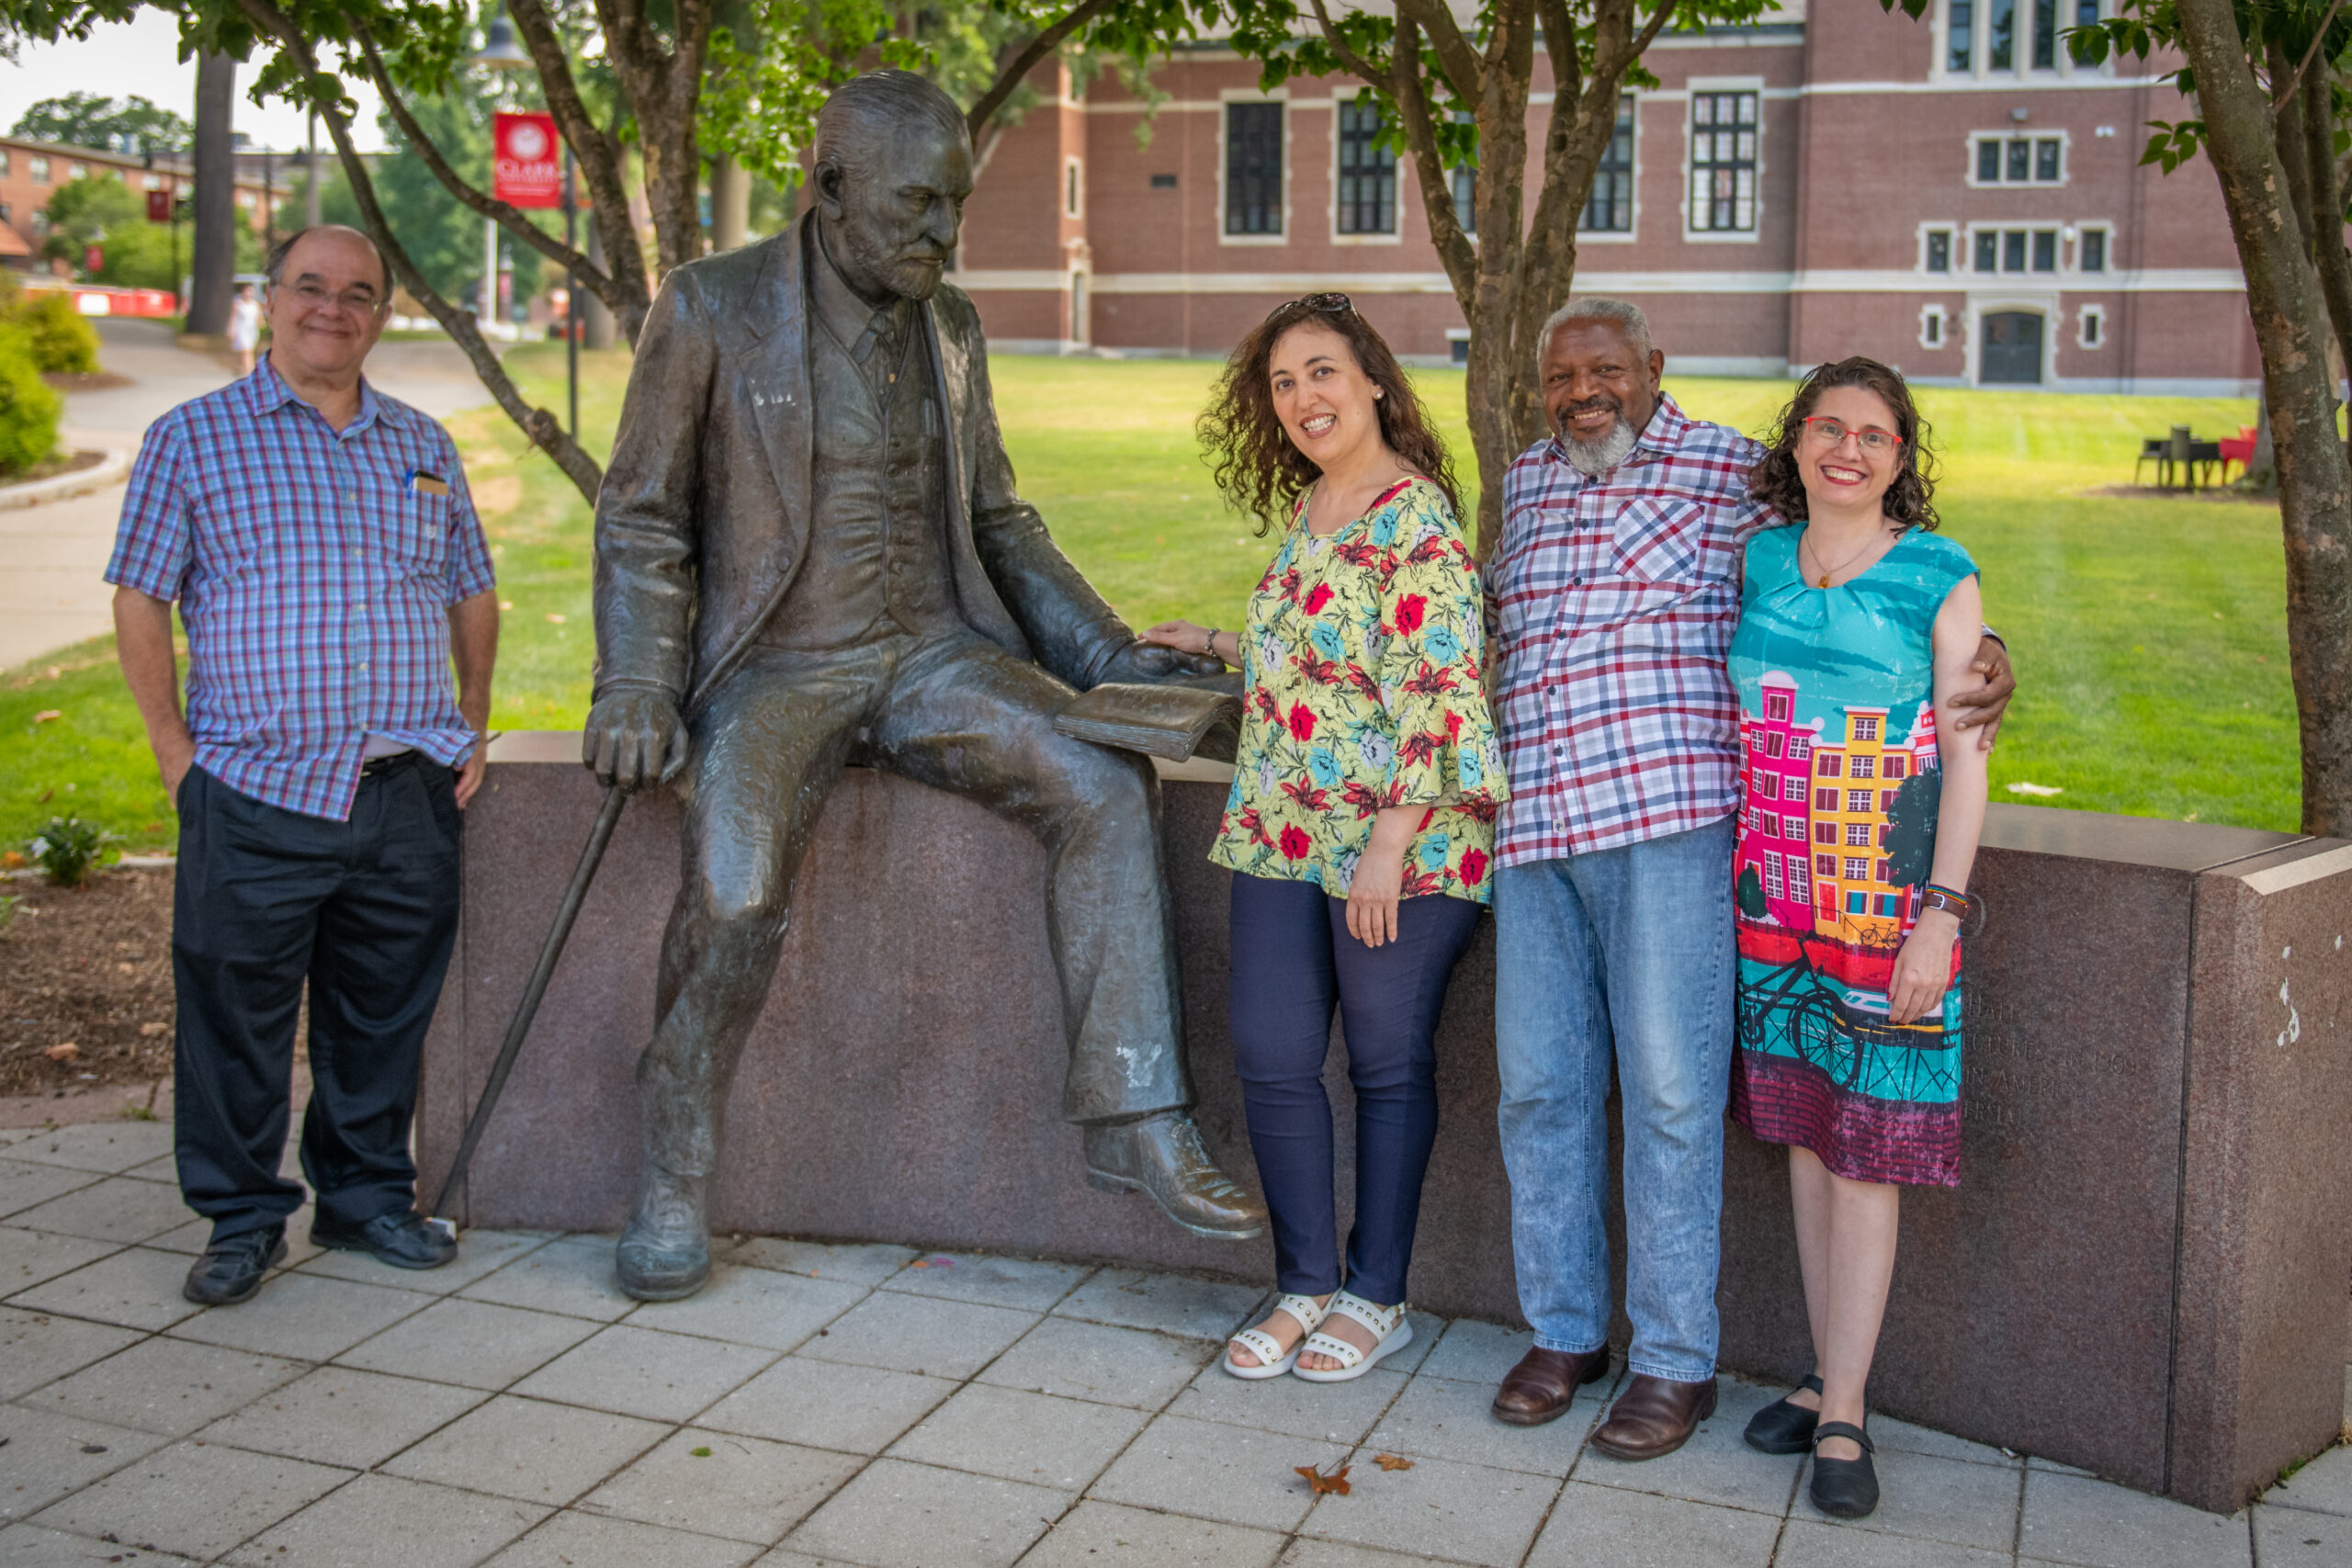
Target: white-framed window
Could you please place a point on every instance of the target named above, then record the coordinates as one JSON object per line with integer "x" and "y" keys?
{"x": 1073, "y": 187}
{"x": 2016, "y": 158}
{"x": 1857, "y": 868}
{"x": 1365, "y": 187}
{"x": 1772, "y": 883}
{"x": 1931, "y": 326}
{"x": 2021, "y": 38}
{"x": 2094, "y": 245}
{"x": 148, "y": 182}
{"x": 2013, "y": 251}
{"x": 1725, "y": 150}
{"x": 39, "y": 169}
{"x": 1458, "y": 344}
{"x": 1255, "y": 133}
{"x": 1800, "y": 881}
{"x": 77, "y": 171}
{"x": 1936, "y": 248}
{"x": 3, "y": 161}
{"x": 2090, "y": 327}
{"x": 1609, "y": 209}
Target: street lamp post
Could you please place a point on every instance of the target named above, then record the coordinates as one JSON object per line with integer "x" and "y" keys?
{"x": 498, "y": 52}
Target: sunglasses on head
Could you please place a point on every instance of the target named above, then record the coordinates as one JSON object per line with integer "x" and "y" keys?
{"x": 1332, "y": 304}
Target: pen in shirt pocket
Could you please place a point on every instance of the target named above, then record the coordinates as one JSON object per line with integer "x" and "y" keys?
{"x": 419, "y": 483}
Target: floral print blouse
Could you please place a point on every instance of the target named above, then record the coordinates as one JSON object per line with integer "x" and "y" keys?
{"x": 1360, "y": 683}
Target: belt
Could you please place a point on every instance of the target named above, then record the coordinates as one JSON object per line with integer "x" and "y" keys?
{"x": 377, "y": 767}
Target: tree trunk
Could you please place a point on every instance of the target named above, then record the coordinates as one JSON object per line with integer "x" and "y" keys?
{"x": 2316, "y": 115}
{"x": 730, "y": 204}
{"x": 212, "y": 264}
{"x": 601, "y": 330}
{"x": 2315, "y": 478}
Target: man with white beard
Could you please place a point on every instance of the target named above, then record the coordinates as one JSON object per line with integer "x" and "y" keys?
{"x": 1617, "y": 586}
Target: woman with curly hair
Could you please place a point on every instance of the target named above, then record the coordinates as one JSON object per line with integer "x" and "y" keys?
{"x": 1862, "y": 804}
{"x": 1361, "y": 826}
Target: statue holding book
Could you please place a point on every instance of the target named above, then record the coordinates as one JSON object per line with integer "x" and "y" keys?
{"x": 809, "y": 555}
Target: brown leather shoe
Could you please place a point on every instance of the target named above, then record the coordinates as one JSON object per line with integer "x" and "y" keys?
{"x": 1545, "y": 1384}
{"x": 1654, "y": 1416}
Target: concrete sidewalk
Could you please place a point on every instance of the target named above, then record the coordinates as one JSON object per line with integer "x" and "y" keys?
{"x": 875, "y": 1407}
{"x": 51, "y": 555}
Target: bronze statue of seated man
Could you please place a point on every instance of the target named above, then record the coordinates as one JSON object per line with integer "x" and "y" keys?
{"x": 809, "y": 555}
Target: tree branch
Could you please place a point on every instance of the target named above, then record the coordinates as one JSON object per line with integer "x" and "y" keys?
{"x": 1009, "y": 80}
{"x": 1463, "y": 73}
{"x": 602, "y": 160}
{"x": 1370, "y": 73}
{"x": 544, "y": 430}
{"x": 1454, "y": 249}
{"x": 2281, "y": 94}
{"x": 1560, "y": 44}
{"x": 505, "y": 215}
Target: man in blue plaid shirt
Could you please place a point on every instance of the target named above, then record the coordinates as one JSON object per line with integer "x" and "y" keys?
{"x": 319, "y": 540}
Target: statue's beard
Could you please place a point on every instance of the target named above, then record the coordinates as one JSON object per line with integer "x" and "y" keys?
{"x": 911, "y": 272}
{"x": 1599, "y": 457}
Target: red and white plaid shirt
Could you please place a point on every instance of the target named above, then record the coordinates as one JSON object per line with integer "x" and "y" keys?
{"x": 1616, "y": 597}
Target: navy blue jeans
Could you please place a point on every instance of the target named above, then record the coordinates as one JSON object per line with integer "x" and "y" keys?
{"x": 1292, "y": 961}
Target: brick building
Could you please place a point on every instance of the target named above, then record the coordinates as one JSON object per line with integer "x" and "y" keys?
{"x": 1950, "y": 195}
{"x": 31, "y": 171}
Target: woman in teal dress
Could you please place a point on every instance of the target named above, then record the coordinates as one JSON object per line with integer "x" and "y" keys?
{"x": 1861, "y": 801}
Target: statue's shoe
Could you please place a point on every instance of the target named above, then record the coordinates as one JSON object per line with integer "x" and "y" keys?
{"x": 664, "y": 1255}
{"x": 1163, "y": 1156}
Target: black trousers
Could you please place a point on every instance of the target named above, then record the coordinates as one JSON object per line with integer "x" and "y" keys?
{"x": 365, "y": 910}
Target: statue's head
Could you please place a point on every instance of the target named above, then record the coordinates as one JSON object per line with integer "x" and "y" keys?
{"x": 893, "y": 168}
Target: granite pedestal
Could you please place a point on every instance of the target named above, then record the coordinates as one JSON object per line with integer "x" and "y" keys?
{"x": 2143, "y": 1274}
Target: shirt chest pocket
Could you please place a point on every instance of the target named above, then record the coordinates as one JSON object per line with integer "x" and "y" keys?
{"x": 1660, "y": 541}
{"x": 416, "y": 530}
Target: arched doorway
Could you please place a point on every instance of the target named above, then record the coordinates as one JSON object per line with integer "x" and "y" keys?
{"x": 2009, "y": 352}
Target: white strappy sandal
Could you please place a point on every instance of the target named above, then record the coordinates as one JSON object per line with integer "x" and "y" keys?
{"x": 1272, "y": 1359}
{"x": 1392, "y": 1328}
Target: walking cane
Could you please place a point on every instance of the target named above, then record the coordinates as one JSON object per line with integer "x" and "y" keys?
{"x": 591, "y": 855}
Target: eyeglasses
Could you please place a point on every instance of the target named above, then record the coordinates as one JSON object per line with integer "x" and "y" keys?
{"x": 1829, "y": 432}
{"x": 1331, "y": 304}
{"x": 351, "y": 301}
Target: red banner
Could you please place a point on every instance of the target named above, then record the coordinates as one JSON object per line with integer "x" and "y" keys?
{"x": 159, "y": 207}
{"x": 528, "y": 160}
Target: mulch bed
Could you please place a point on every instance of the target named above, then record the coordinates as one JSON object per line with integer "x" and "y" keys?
{"x": 84, "y": 381}
{"x": 73, "y": 463}
{"x": 90, "y": 967}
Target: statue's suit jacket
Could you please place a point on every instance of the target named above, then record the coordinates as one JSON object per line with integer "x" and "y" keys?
{"x": 705, "y": 514}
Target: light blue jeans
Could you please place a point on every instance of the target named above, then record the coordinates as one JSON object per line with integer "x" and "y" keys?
{"x": 1626, "y": 950}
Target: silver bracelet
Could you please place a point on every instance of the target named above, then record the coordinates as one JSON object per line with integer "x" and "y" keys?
{"x": 1208, "y": 649}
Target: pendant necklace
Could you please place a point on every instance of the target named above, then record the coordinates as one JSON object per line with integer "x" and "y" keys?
{"x": 1829, "y": 571}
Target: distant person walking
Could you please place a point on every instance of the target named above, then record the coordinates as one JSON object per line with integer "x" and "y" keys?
{"x": 1858, "y": 626}
{"x": 244, "y": 327}
{"x": 1361, "y": 828}
{"x": 327, "y": 562}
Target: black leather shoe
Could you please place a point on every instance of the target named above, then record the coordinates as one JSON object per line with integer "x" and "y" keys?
{"x": 231, "y": 1269}
{"x": 1782, "y": 1427}
{"x": 401, "y": 1238}
{"x": 1844, "y": 1488}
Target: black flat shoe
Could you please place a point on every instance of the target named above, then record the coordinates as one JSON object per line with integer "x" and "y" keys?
{"x": 401, "y": 1238}
{"x": 1782, "y": 1427}
{"x": 230, "y": 1270}
{"x": 1844, "y": 1488}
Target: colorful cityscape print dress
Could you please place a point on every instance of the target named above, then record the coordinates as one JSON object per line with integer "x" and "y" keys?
{"x": 1361, "y": 682}
{"x": 1839, "y": 788}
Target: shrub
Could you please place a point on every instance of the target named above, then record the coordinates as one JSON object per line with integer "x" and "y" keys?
{"x": 29, "y": 407}
{"x": 64, "y": 341}
{"x": 66, "y": 850}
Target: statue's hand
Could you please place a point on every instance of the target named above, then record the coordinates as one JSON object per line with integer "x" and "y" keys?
{"x": 1149, "y": 662}
{"x": 635, "y": 739}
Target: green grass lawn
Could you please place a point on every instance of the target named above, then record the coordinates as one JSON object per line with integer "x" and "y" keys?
{"x": 2150, "y": 636}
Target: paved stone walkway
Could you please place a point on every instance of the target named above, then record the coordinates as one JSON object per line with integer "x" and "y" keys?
{"x": 870, "y": 1405}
